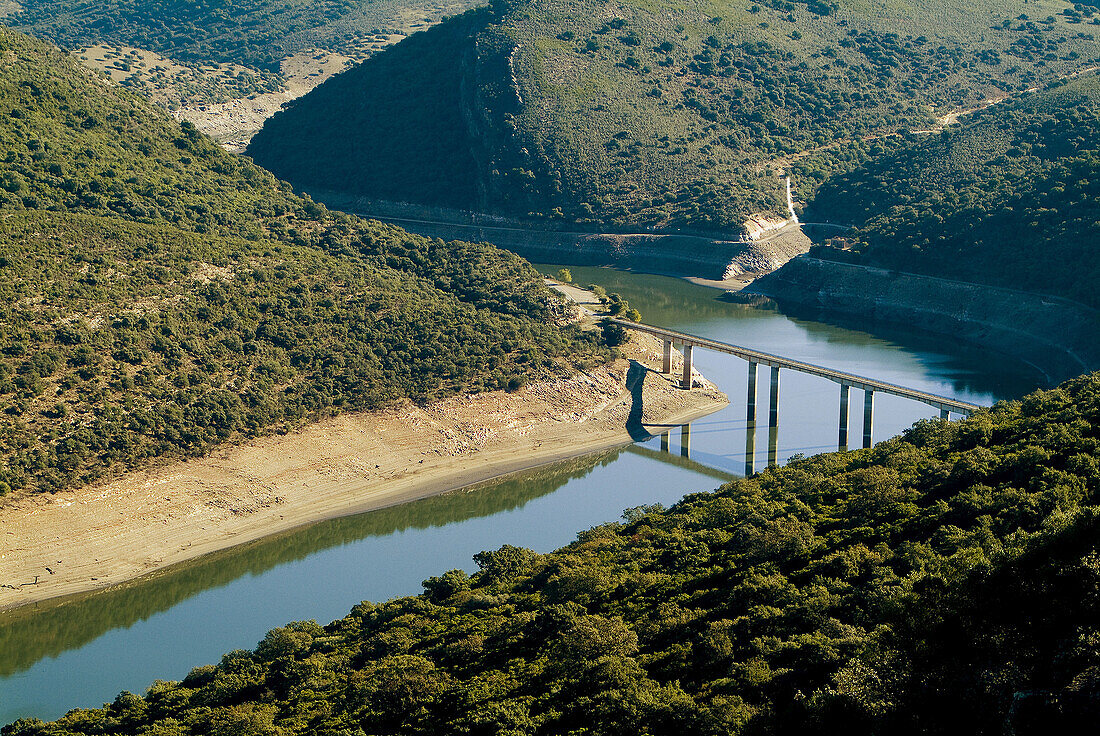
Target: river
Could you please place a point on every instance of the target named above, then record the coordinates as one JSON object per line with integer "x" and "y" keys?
{"x": 83, "y": 651}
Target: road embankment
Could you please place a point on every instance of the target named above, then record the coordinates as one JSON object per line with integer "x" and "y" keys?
{"x": 53, "y": 545}
{"x": 688, "y": 255}
{"x": 1059, "y": 337}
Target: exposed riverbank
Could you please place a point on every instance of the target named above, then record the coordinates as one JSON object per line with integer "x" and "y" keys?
{"x": 98, "y": 536}
{"x": 1059, "y": 337}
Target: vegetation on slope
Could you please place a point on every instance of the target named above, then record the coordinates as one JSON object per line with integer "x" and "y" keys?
{"x": 254, "y": 33}
{"x": 31, "y": 633}
{"x": 160, "y": 296}
{"x": 197, "y": 53}
{"x": 945, "y": 581}
{"x": 1010, "y": 198}
{"x": 657, "y": 114}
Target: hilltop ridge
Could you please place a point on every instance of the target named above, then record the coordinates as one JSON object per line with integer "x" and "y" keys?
{"x": 628, "y": 114}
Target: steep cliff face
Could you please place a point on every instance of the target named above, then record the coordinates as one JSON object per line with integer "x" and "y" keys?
{"x": 1057, "y": 336}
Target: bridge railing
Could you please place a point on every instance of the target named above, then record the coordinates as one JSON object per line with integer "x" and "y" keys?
{"x": 756, "y": 358}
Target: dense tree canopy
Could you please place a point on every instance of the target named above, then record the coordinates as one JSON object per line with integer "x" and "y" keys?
{"x": 658, "y": 114}
{"x": 160, "y": 296}
{"x": 1010, "y": 198}
{"x": 250, "y": 33}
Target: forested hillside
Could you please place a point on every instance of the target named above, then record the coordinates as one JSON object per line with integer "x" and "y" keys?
{"x": 160, "y": 296}
{"x": 1010, "y": 198}
{"x": 627, "y": 114}
{"x": 946, "y": 581}
{"x": 253, "y": 33}
{"x": 187, "y": 55}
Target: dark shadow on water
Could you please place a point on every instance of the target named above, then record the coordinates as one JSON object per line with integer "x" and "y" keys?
{"x": 677, "y": 303}
{"x": 973, "y": 367}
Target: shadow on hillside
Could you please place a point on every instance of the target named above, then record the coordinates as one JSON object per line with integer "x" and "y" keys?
{"x": 635, "y": 380}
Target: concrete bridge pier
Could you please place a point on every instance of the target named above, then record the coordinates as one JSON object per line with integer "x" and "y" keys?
{"x": 685, "y": 440}
{"x": 750, "y": 448}
{"x": 773, "y": 446}
{"x": 773, "y": 409}
{"x": 664, "y": 440}
{"x": 868, "y": 415}
{"x": 842, "y": 442}
{"x": 847, "y": 381}
{"x": 751, "y": 400}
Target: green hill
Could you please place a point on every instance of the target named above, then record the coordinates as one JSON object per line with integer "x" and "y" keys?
{"x": 252, "y": 33}
{"x": 944, "y": 582}
{"x": 1010, "y": 198}
{"x": 160, "y": 296}
{"x": 216, "y": 51}
{"x": 655, "y": 113}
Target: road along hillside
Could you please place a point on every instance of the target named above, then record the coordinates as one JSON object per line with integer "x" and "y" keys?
{"x": 1058, "y": 336}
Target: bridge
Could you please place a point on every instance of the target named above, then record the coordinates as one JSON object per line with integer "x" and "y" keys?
{"x": 756, "y": 358}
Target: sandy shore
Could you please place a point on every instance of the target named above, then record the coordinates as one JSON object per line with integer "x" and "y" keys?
{"x": 105, "y": 534}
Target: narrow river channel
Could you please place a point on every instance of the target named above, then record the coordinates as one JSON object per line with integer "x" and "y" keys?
{"x": 82, "y": 652}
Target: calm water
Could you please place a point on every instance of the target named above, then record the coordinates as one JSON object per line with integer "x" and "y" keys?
{"x": 83, "y": 651}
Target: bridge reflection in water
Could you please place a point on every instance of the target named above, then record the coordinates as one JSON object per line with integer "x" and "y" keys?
{"x": 755, "y": 358}
{"x": 750, "y": 446}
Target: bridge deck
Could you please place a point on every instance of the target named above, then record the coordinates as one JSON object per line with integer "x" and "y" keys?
{"x": 847, "y": 379}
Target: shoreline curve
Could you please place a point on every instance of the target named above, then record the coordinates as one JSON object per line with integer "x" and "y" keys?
{"x": 148, "y": 520}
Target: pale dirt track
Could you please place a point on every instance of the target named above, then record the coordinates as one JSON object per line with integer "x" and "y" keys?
{"x": 101, "y": 535}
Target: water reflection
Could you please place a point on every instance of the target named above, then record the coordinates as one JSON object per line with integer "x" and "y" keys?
{"x": 84, "y": 650}
{"x": 808, "y": 409}
{"x": 823, "y": 338}
{"x": 750, "y": 448}
{"x": 30, "y": 633}
{"x": 681, "y": 461}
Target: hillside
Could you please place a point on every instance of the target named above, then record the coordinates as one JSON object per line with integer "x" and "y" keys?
{"x": 255, "y": 34}
{"x": 224, "y": 66}
{"x": 945, "y": 581}
{"x": 161, "y": 296}
{"x": 656, "y": 114}
{"x": 1009, "y": 198}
